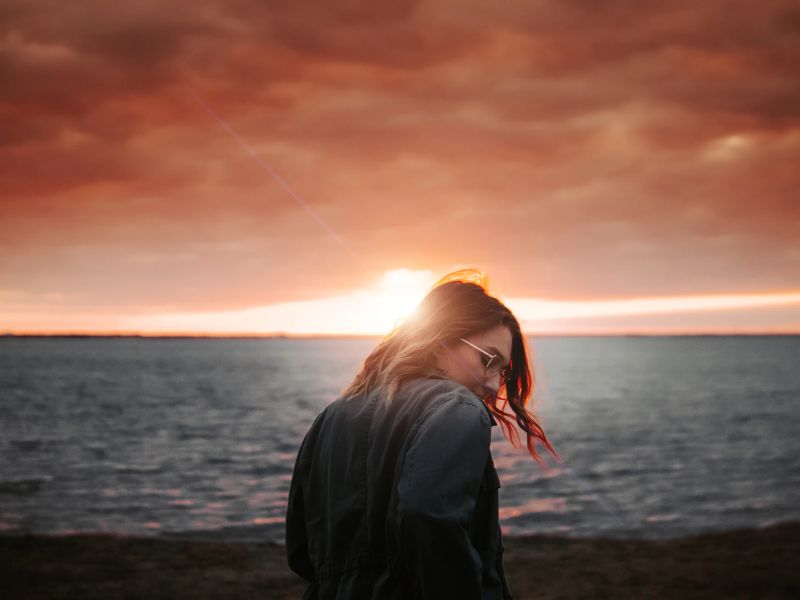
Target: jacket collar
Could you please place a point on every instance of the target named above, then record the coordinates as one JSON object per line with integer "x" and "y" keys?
{"x": 491, "y": 416}
{"x": 489, "y": 412}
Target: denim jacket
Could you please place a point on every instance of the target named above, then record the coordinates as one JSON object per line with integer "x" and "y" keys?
{"x": 398, "y": 501}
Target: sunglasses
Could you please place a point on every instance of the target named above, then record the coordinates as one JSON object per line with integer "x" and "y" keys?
{"x": 492, "y": 363}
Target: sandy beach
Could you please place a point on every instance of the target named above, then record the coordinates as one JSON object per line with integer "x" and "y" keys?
{"x": 752, "y": 563}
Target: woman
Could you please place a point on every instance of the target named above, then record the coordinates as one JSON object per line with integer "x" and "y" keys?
{"x": 394, "y": 492}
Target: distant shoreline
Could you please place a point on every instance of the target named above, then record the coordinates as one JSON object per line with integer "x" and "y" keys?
{"x": 745, "y": 563}
{"x": 280, "y": 336}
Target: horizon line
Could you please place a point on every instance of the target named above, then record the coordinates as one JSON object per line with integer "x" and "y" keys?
{"x": 283, "y": 335}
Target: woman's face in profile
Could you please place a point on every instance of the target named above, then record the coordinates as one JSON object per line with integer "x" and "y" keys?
{"x": 465, "y": 360}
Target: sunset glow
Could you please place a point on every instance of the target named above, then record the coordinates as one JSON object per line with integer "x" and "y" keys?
{"x": 376, "y": 309}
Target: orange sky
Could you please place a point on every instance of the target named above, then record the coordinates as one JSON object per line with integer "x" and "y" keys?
{"x": 615, "y": 167}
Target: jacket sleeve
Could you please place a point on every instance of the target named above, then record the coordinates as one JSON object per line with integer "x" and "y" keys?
{"x": 296, "y": 536}
{"x": 437, "y": 490}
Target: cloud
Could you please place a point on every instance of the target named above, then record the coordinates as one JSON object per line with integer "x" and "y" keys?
{"x": 574, "y": 149}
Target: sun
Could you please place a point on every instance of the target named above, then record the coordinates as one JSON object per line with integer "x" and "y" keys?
{"x": 396, "y": 295}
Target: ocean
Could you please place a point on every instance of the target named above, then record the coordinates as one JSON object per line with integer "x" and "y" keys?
{"x": 659, "y": 437}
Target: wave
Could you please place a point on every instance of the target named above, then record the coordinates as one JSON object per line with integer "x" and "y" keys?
{"x": 23, "y": 486}
{"x": 122, "y": 468}
{"x": 26, "y": 444}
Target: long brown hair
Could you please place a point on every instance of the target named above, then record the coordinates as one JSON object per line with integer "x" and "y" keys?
{"x": 456, "y": 306}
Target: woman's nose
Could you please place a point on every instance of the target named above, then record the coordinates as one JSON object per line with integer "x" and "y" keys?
{"x": 492, "y": 385}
